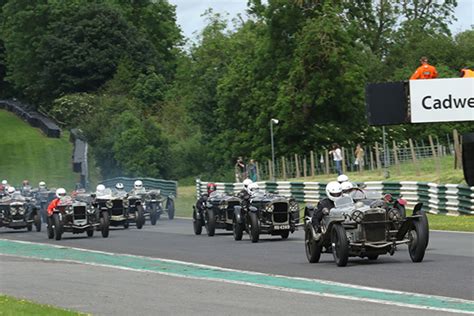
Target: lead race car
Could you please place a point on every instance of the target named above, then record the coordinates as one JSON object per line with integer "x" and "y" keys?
{"x": 76, "y": 217}
{"x": 267, "y": 213}
{"x": 365, "y": 227}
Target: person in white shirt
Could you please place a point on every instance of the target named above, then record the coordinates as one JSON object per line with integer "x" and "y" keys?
{"x": 337, "y": 157}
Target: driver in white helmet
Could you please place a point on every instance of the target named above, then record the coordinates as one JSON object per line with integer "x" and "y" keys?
{"x": 245, "y": 194}
{"x": 333, "y": 192}
{"x": 342, "y": 178}
{"x": 60, "y": 193}
{"x": 246, "y": 184}
{"x": 42, "y": 186}
{"x": 11, "y": 190}
{"x": 347, "y": 187}
{"x": 119, "y": 189}
{"x": 100, "y": 190}
{"x": 253, "y": 188}
{"x": 138, "y": 187}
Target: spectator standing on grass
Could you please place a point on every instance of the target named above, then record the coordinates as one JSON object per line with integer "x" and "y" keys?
{"x": 337, "y": 157}
{"x": 240, "y": 169}
{"x": 252, "y": 170}
{"x": 359, "y": 155}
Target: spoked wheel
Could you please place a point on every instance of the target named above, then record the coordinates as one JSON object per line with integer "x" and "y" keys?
{"x": 140, "y": 217}
{"x": 313, "y": 248}
{"x": 37, "y": 221}
{"x": 58, "y": 226}
{"x": 238, "y": 230}
{"x": 49, "y": 228}
{"x": 170, "y": 208}
{"x": 197, "y": 224}
{"x": 418, "y": 240}
{"x": 210, "y": 222}
{"x": 105, "y": 224}
{"x": 254, "y": 229}
{"x": 340, "y": 245}
{"x": 153, "y": 215}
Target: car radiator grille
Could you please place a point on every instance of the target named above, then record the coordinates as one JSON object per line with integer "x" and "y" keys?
{"x": 117, "y": 207}
{"x": 80, "y": 212}
{"x": 280, "y": 212}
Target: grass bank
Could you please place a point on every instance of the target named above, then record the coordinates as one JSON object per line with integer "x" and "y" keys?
{"x": 26, "y": 153}
{"x": 10, "y": 306}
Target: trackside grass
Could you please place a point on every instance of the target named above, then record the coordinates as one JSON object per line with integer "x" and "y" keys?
{"x": 26, "y": 153}
{"x": 10, "y": 306}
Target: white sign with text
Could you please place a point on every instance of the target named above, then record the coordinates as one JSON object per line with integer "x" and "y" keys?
{"x": 442, "y": 100}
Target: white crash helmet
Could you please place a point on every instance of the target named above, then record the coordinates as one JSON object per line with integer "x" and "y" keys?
{"x": 138, "y": 185}
{"x": 346, "y": 186}
{"x": 342, "y": 178}
{"x": 11, "y": 190}
{"x": 60, "y": 192}
{"x": 253, "y": 188}
{"x": 100, "y": 188}
{"x": 4, "y": 182}
{"x": 247, "y": 182}
{"x": 333, "y": 190}
{"x": 42, "y": 185}
{"x": 119, "y": 186}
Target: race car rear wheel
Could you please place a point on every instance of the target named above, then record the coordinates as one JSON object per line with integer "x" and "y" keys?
{"x": 237, "y": 230}
{"x": 49, "y": 228}
{"x": 139, "y": 217}
{"x": 105, "y": 224}
{"x": 37, "y": 221}
{"x": 340, "y": 245}
{"x": 58, "y": 227}
{"x": 418, "y": 241}
{"x": 170, "y": 208}
{"x": 210, "y": 222}
{"x": 90, "y": 232}
{"x": 254, "y": 229}
{"x": 313, "y": 248}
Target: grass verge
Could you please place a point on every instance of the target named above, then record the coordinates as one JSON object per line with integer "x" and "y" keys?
{"x": 20, "y": 307}
{"x": 187, "y": 198}
{"x": 26, "y": 153}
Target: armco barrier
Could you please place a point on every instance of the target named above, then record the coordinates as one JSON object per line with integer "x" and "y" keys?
{"x": 448, "y": 199}
{"x": 167, "y": 187}
{"x": 34, "y": 118}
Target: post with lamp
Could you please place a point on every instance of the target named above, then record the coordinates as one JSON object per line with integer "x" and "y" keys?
{"x": 273, "y": 121}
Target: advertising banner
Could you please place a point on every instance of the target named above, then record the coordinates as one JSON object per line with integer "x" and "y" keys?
{"x": 442, "y": 100}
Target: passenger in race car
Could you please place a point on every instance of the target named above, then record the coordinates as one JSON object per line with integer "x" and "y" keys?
{"x": 333, "y": 191}
{"x": 201, "y": 202}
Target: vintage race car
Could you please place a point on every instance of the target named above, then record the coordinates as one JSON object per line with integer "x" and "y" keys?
{"x": 135, "y": 208}
{"x": 115, "y": 204}
{"x": 18, "y": 212}
{"x": 267, "y": 214}
{"x": 156, "y": 204}
{"x": 74, "y": 216}
{"x": 217, "y": 213}
{"x": 365, "y": 228}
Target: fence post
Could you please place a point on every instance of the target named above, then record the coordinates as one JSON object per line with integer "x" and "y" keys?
{"x": 283, "y": 164}
{"x": 258, "y": 170}
{"x": 457, "y": 150}
{"x": 270, "y": 170}
{"x": 395, "y": 157}
{"x": 377, "y": 157}
{"x": 297, "y": 166}
{"x": 413, "y": 156}
{"x": 312, "y": 163}
{"x": 435, "y": 157}
{"x": 371, "y": 159}
{"x": 343, "y": 154}
{"x": 305, "y": 171}
{"x": 327, "y": 161}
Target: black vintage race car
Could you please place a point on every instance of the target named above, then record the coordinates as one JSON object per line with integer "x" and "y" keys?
{"x": 18, "y": 212}
{"x": 115, "y": 205}
{"x": 365, "y": 228}
{"x": 217, "y": 213}
{"x": 268, "y": 213}
{"x": 156, "y": 205}
{"x": 77, "y": 217}
{"x": 136, "y": 209}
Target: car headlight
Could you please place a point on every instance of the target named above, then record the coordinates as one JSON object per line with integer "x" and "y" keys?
{"x": 69, "y": 210}
{"x": 21, "y": 210}
{"x": 109, "y": 204}
{"x": 91, "y": 210}
{"x": 125, "y": 203}
{"x": 294, "y": 207}
{"x": 357, "y": 216}
{"x": 13, "y": 211}
{"x": 269, "y": 208}
{"x": 394, "y": 215}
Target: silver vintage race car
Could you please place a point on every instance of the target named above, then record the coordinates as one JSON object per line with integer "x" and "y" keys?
{"x": 365, "y": 228}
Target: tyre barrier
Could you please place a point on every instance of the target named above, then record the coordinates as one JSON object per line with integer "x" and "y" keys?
{"x": 35, "y": 119}
{"x": 167, "y": 187}
{"x": 447, "y": 199}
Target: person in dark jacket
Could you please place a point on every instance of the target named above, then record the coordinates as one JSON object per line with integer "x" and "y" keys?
{"x": 333, "y": 192}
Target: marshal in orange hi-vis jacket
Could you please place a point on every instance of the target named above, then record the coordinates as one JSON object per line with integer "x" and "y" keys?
{"x": 425, "y": 71}
{"x": 467, "y": 73}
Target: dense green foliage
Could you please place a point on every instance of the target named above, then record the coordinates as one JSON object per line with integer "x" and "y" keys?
{"x": 151, "y": 107}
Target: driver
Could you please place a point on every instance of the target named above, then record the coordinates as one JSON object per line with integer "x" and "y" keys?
{"x": 138, "y": 187}
{"x": 119, "y": 188}
{"x": 100, "y": 190}
{"x": 342, "y": 178}
{"x": 253, "y": 188}
{"x": 211, "y": 188}
{"x": 347, "y": 187}
{"x": 333, "y": 191}
{"x": 60, "y": 193}
{"x": 245, "y": 194}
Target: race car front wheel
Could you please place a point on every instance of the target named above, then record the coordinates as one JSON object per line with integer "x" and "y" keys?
{"x": 340, "y": 245}
{"x": 418, "y": 241}
{"x": 313, "y": 248}
{"x": 254, "y": 229}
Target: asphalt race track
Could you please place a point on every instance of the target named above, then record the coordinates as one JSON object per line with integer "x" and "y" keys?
{"x": 446, "y": 271}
